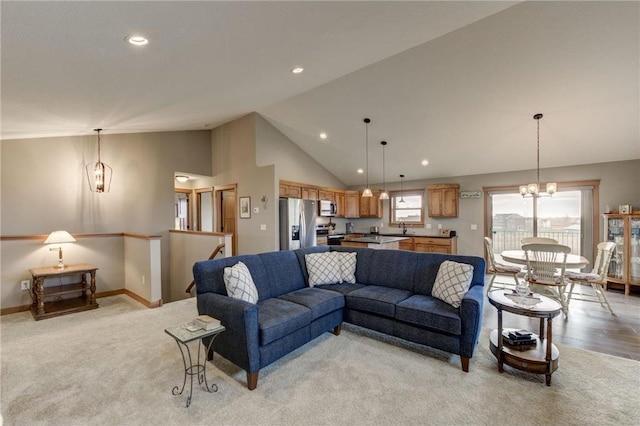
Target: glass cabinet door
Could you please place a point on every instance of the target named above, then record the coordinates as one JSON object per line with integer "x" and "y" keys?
{"x": 615, "y": 233}
{"x": 634, "y": 249}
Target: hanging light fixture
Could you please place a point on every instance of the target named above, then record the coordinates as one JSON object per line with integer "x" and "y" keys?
{"x": 367, "y": 191}
{"x": 401, "y": 191}
{"x": 384, "y": 195}
{"x": 98, "y": 173}
{"x": 533, "y": 189}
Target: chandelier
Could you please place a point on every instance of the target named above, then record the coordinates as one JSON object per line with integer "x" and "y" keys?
{"x": 367, "y": 191}
{"x": 384, "y": 195}
{"x": 533, "y": 189}
{"x": 98, "y": 173}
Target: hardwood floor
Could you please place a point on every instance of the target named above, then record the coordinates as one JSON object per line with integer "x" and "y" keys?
{"x": 588, "y": 325}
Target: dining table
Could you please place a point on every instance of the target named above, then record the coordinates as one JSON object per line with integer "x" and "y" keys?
{"x": 574, "y": 261}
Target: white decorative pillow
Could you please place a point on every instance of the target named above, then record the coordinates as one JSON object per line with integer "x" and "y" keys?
{"x": 452, "y": 282}
{"x": 347, "y": 262}
{"x": 239, "y": 284}
{"x": 323, "y": 268}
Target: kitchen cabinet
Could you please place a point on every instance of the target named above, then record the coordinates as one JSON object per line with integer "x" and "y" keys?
{"x": 624, "y": 230}
{"x": 448, "y": 245}
{"x": 309, "y": 193}
{"x": 340, "y": 203}
{"x": 289, "y": 190}
{"x": 407, "y": 244}
{"x": 443, "y": 200}
{"x": 352, "y": 204}
{"x": 371, "y": 207}
{"x": 324, "y": 194}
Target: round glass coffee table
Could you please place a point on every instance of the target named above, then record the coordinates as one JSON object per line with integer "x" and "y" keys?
{"x": 541, "y": 358}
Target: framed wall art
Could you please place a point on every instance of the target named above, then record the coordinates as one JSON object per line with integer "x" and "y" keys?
{"x": 245, "y": 207}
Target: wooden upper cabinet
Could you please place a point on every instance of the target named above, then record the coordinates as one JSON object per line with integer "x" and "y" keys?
{"x": 324, "y": 194}
{"x": 340, "y": 203}
{"x": 352, "y": 204}
{"x": 293, "y": 191}
{"x": 443, "y": 200}
{"x": 309, "y": 193}
{"x": 371, "y": 206}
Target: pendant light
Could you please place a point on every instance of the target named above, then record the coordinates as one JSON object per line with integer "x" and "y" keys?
{"x": 533, "y": 189}
{"x": 401, "y": 191}
{"x": 384, "y": 195}
{"x": 98, "y": 173}
{"x": 367, "y": 191}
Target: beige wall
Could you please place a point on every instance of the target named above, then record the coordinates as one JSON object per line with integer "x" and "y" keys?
{"x": 254, "y": 155}
{"x": 619, "y": 184}
{"x": 44, "y": 187}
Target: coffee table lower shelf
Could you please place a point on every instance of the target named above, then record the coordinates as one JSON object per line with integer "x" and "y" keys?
{"x": 532, "y": 360}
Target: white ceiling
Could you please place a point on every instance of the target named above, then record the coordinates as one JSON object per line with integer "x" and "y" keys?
{"x": 456, "y": 83}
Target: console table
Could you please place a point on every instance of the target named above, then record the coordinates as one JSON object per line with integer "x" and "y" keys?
{"x": 42, "y": 308}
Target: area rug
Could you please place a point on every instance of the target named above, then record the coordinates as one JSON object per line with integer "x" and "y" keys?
{"x": 116, "y": 366}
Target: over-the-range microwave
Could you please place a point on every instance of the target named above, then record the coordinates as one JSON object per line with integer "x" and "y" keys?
{"x": 327, "y": 208}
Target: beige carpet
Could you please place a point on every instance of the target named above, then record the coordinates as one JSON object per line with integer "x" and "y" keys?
{"x": 116, "y": 366}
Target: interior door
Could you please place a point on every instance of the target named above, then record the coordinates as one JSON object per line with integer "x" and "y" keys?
{"x": 228, "y": 215}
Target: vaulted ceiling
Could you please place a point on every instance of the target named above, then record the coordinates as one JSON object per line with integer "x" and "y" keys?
{"x": 455, "y": 83}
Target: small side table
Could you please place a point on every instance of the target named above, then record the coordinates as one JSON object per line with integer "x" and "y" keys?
{"x": 543, "y": 359}
{"x": 183, "y": 336}
{"x": 41, "y": 308}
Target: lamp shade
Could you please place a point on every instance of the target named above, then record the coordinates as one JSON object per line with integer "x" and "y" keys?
{"x": 57, "y": 237}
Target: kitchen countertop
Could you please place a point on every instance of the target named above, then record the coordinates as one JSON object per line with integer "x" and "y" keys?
{"x": 376, "y": 239}
{"x": 400, "y": 234}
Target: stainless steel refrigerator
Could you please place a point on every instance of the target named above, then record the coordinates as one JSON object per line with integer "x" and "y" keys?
{"x": 297, "y": 223}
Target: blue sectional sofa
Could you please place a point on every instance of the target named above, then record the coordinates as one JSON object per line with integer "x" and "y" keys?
{"x": 391, "y": 294}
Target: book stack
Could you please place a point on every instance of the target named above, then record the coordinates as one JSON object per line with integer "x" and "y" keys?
{"x": 518, "y": 337}
{"x": 206, "y": 322}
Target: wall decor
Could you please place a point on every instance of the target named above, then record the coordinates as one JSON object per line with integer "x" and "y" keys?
{"x": 245, "y": 207}
{"x": 470, "y": 194}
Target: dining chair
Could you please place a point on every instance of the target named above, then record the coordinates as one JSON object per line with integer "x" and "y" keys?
{"x": 597, "y": 278}
{"x": 546, "y": 266}
{"x": 495, "y": 268}
{"x": 538, "y": 240}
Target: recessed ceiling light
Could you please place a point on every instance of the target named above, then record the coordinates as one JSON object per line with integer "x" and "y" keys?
{"x": 425, "y": 162}
{"x": 323, "y": 135}
{"x": 297, "y": 70}
{"x": 360, "y": 171}
{"x": 137, "y": 40}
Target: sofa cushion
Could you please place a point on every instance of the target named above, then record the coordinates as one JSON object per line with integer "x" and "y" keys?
{"x": 284, "y": 272}
{"x": 429, "y": 312}
{"x": 321, "y": 302}
{"x": 323, "y": 268}
{"x": 278, "y": 318}
{"x": 239, "y": 284}
{"x": 391, "y": 268}
{"x": 364, "y": 256}
{"x": 452, "y": 282}
{"x": 343, "y": 288}
{"x": 376, "y": 299}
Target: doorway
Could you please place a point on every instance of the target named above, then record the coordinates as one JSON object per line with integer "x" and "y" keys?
{"x": 226, "y": 212}
{"x": 569, "y": 216}
{"x": 182, "y": 209}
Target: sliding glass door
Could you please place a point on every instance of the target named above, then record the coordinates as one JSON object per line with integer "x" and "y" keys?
{"x": 567, "y": 217}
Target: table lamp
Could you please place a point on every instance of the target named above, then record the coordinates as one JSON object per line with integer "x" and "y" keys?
{"x": 59, "y": 237}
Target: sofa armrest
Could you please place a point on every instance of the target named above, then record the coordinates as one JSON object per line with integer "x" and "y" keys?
{"x": 239, "y": 343}
{"x": 471, "y": 317}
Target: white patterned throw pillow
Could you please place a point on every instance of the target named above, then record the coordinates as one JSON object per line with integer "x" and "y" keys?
{"x": 452, "y": 282}
{"x": 347, "y": 262}
{"x": 323, "y": 268}
{"x": 239, "y": 284}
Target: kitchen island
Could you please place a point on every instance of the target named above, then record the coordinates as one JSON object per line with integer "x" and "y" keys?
{"x": 374, "y": 242}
